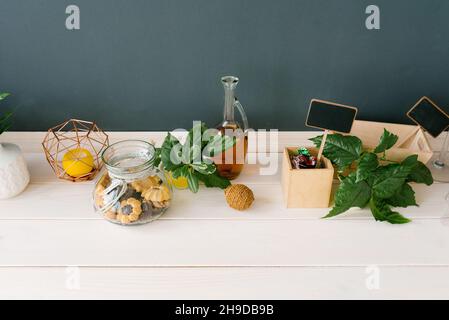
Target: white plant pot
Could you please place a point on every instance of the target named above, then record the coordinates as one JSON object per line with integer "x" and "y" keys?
{"x": 14, "y": 175}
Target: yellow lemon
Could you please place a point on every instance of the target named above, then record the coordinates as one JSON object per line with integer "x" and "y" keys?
{"x": 181, "y": 183}
{"x": 78, "y": 162}
{"x": 178, "y": 183}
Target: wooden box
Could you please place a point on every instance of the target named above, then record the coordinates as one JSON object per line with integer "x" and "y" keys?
{"x": 412, "y": 139}
{"x": 306, "y": 188}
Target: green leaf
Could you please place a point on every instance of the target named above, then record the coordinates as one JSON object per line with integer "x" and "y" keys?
{"x": 186, "y": 154}
{"x": 204, "y": 168}
{"x": 5, "y": 122}
{"x": 180, "y": 172}
{"x": 166, "y": 153}
{"x": 157, "y": 157}
{"x": 410, "y": 161}
{"x": 404, "y": 197}
{"x": 193, "y": 181}
{"x": 218, "y": 144}
{"x": 194, "y": 144}
{"x": 420, "y": 174}
{"x": 4, "y": 95}
{"x": 182, "y": 160}
{"x": 389, "y": 179}
{"x": 340, "y": 150}
{"x": 382, "y": 186}
{"x": 7, "y": 116}
{"x": 382, "y": 212}
{"x": 199, "y": 128}
{"x": 397, "y": 218}
{"x": 5, "y": 127}
{"x": 196, "y": 127}
{"x": 350, "y": 194}
{"x": 387, "y": 141}
{"x": 366, "y": 165}
{"x": 214, "y": 180}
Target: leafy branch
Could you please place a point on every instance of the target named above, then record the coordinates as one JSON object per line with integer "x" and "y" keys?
{"x": 5, "y": 119}
{"x": 373, "y": 183}
{"x": 191, "y": 160}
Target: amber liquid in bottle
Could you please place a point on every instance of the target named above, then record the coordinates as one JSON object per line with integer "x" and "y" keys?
{"x": 231, "y": 161}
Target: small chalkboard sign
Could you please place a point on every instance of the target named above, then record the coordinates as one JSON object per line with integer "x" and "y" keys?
{"x": 331, "y": 116}
{"x": 429, "y": 116}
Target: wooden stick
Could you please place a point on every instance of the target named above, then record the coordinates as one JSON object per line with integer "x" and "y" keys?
{"x": 320, "y": 153}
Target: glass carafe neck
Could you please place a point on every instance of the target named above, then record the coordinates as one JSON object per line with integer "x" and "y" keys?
{"x": 229, "y": 85}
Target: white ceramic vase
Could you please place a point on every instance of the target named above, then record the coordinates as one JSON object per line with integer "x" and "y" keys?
{"x": 14, "y": 175}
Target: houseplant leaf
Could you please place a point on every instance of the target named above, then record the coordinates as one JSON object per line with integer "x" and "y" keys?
{"x": 157, "y": 157}
{"x": 5, "y": 122}
{"x": 185, "y": 160}
{"x": 218, "y": 144}
{"x": 340, "y": 150}
{"x": 3, "y": 95}
{"x": 366, "y": 165}
{"x": 388, "y": 179}
{"x": 195, "y": 135}
{"x": 166, "y": 153}
{"x": 192, "y": 180}
{"x": 180, "y": 172}
{"x": 5, "y": 119}
{"x": 214, "y": 180}
{"x": 387, "y": 141}
{"x": 419, "y": 172}
{"x": 381, "y": 186}
{"x": 204, "y": 168}
{"x": 382, "y": 212}
{"x": 411, "y": 161}
{"x": 350, "y": 194}
{"x": 404, "y": 197}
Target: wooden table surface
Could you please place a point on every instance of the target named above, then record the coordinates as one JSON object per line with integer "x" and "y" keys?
{"x": 53, "y": 245}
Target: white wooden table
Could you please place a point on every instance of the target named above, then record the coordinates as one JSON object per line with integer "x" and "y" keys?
{"x": 52, "y": 244}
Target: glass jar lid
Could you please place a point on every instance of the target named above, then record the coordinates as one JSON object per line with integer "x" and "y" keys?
{"x": 129, "y": 160}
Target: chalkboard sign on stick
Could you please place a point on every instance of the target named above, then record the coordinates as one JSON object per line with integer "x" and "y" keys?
{"x": 330, "y": 116}
{"x": 434, "y": 120}
{"x": 429, "y": 116}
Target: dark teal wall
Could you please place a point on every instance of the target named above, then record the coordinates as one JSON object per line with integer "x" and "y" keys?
{"x": 155, "y": 64}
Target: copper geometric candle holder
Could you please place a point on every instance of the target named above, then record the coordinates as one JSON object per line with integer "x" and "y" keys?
{"x": 74, "y": 134}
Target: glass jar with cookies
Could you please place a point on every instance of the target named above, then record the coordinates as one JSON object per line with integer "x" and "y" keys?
{"x": 131, "y": 191}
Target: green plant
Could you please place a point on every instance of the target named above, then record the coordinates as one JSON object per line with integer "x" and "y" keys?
{"x": 186, "y": 160}
{"x": 375, "y": 181}
{"x": 5, "y": 119}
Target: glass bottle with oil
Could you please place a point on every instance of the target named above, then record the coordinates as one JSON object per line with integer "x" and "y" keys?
{"x": 231, "y": 161}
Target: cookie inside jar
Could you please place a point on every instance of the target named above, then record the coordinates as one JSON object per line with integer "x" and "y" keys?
{"x": 131, "y": 191}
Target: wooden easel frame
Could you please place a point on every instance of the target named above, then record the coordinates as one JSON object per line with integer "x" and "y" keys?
{"x": 330, "y": 103}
